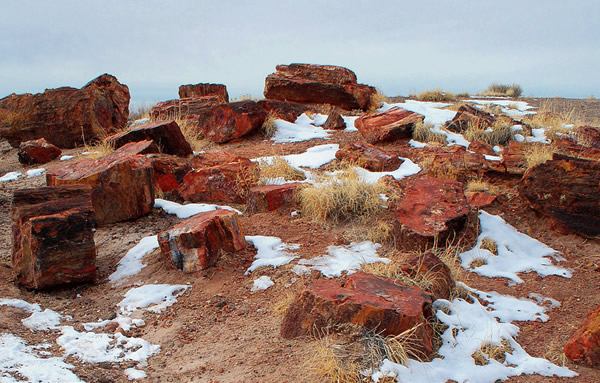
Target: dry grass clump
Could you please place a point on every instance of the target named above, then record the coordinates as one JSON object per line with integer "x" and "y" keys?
{"x": 478, "y": 185}
{"x": 492, "y": 351}
{"x": 193, "y": 136}
{"x": 376, "y": 100}
{"x": 503, "y": 90}
{"x": 463, "y": 95}
{"x": 436, "y": 95}
{"x": 422, "y": 132}
{"x": 98, "y": 149}
{"x": 551, "y": 114}
{"x": 269, "y": 128}
{"x": 140, "y": 111}
{"x": 477, "y": 262}
{"x": 498, "y": 134}
{"x": 490, "y": 245}
{"x": 381, "y": 232}
{"x": 245, "y": 97}
{"x": 345, "y": 198}
{"x": 538, "y": 154}
{"x": 279, "y": 168}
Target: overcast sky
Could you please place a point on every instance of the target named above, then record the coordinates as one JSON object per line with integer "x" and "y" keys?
{"x": 550, "y": 48}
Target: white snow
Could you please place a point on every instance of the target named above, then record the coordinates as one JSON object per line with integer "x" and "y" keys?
{"x": 131, "y": 263}
{"x": 345, "y": 258}
{"x": 20, "y": 304}
{"x": 35, "y": 172}
{"x": 154, "y": 298}
{"x": 270, "y": 251}
{"x": 18, "y": 358}
{"x": 312, "y": 158}
{"x": 492, "y": 158}
{"x": 303, "y": 129}
{"x": 517, "y": 108}
{"x": 134, "y": 374}
{"x": 10, "y": 176}
{"x": 417, "y": 144}
{"x": 552, "y": 303}
{"x": 188, "y": 210}
{"x": 262, "y": 283}
{"x": 431, "y": 110}
{"x": 517, "y": 252}
{"x": 408, "y": 168}
{"x": 539, "y": 135}
{"x": 139, "y": 122}
{"x": 42, "y": 320}
{"x": 349, "y": 120}
{"x": 66, "y": 158}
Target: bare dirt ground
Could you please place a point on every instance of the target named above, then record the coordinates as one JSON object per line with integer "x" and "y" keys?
{"x": 220, "y": 331}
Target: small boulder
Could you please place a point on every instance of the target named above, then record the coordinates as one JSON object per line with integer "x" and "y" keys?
{"x": 288, "y": 111}
{"x": 217, "y": 157}
{"x": 435, "y": 274}
{"x": 226, "y": 122}
{"x": 513, "y": 158}
{"x": 53, "y": 236}
{"x": 272, "y": 197}
{"x": 482, "y": 148}
{"x": 203, "y": 90}
{"x": 165, "y": 134}
{"x": 393, "y": 124}
{"x": 37, "y": 152}
{"x": 334, "y": 121}
{"x": 369, "y": 157}
{"x": 169, "y": 171}
{"x": 140, "y": 147}
{"x": 478, "y": 200}
{"x": 184, "y": 108}
{"x": 584, "y": 346}
{"x": 588, "y": 136}
{"x": 468, "y": 115}
{"x": 197, "y": 242}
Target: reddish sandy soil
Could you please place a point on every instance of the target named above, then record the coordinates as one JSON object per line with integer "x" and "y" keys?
{"x": 221, "y": 331}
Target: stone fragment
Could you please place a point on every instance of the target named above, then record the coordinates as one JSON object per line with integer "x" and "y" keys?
{"x": 169, "y": 171}
{"x": 140, "y": 147}
{"x": 197, "y": 242}
{"x": 53, "y": 236}
{"x": 431, "y": 272}
{"x": 567, "y": 190}
{"x": 214, "y": 158}
{"x": 482, "y": 148}
{"x": 369, "y": 157}
{"x": 334, "y": 121}
{"x": 226, "y": 122}
{"x": 66, "y": 117}
{"x": 513, "y": 158}
{"x": 318, "y": 84}
{"x": 588, "y": 136}
{"x": 203, "y": 90}
{"x": 184, "y": 108}
{"x": 272, "y": 197}
{"x": 37, "y": 152}
{"x": 393, "y": 124}
{"x": 478, "y": 200}
{"x": 165, "y": 134}
{"x": 584, "y": 346}
{"x": 468, "y": 115}
{"x": 288, "y": 111}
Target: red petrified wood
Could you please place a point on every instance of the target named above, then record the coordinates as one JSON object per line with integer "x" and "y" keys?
{"x": 165, "y": 134}
{"x": 390, "y": 125}
{"x": 470, "y": 116}
{"x": 272, "y": 197}
{"x": 199, "y": 241}
{"x": 584, "y": 346}
{"x": 369, "y": 157}
{"x": 37, "y": 152}
{"x": 52, "y": 236}
{"x": 184, "y": 108}
{"x": 288, "y": 111}
{"x": 226, "y": 122}
{"x": 204, "y": 89}
{"x": 364, "y": 300}
{"x": 429, "y": 267}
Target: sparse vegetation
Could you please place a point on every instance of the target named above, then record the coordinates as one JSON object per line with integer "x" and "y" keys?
{"x": 377, "y": 100}
{"x": 140, "y": 111}
{"x": 193, "y": 136}
{"x": 422, "y": 132}
{"x": 492, "y": 351}
{"x": 478, "y": 185}
{"x": 98, "y": 149}
{"x": 245, "y": 97}
{"x": 490, "y": 245}
{"x": 279, "y": 168}
{"x": 436, "y": 95}
{"x": 538, "y": 154}
{"x": 477, "y": 262}
{"x": 498, "y": 134}
{"x": 503, "y": 90}
{"x": 269, "y": 128}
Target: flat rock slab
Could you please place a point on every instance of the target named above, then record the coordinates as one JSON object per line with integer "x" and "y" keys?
{"x": 567, "y": 190}
{"x": 584, "y": 346}
{"x": 165, "y": 134}
{"x": 272, "y": 197}
{"x": 226, "y": 122}
{"x": 204, "y": 89}
{"x": 37, "y": 152}
{"x": 365, "y": 300}
{"x": 369, "y": 157}
{"x": 468, "y": 115}
{"x": 183, "y": 108}
{"x": 53, "y": 236}
{"x": 393, "y": 124}
{"x": 197, "y": 242}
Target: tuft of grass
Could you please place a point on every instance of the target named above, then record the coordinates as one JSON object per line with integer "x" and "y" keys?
{"x": 193, "y": 136}
{"x": 490, "y": 245}
{"x": 245, "y": 97}
{"x": 284, "y": 302}
{"x": 498, "y": 134}
{"x": 376, "y": 100}
{"x": 345, "y": 198}
{"x": 382, "y": 232}
{"x": 478, "y": 185}
{"x": 98, "y": 149}
{"x": 477, "y": 262}
{"x": 436, "y": 95}
{"x": 463, "y": 95}
{"x": 140, "y": 111}
{"x": 552, "y": 113}
{"x": 269, "y": 128}
{"x": 422, "y": 132}
{"x": 538, "y": 154}
{"x": 492, "y": 351}
{"x": 280, "y": 168}
{"x": 503, "y": 90}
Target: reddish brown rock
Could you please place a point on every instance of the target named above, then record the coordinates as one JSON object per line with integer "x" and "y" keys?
{"x": 571, "y": 147}
{"x": 185, "y": 108}
{"x": 334, "y": 121}
{"x": 431, "y": 208}
{"x": 468, "y": 115}
{"x": 364, "y": 300}
{"x": 434, "y": 273}
{"x": 218, "y": 157}
{"x": 203, "y": 89}
{"x": 141, "y": 147}
{"x": 228, "y": 182}
{"x": 513, "y": 158}
{"x": 66, "y": 116}
{"x": 122, "y": 185}
{"x": 584, "y": 346}
{"x": 588, "y": 136}
{"x": 197, "y": 243}
{"x": 288, "y": 111}
{"x": 482, "y": 148}
{"x": 37, "y": 152}
{"x": 226, "y": 122}
{"x": 390, "y": 125}
{"x": 272, "y": 197}
{"x": 457, "y": 163}
{"x": 478, "y": 200}
{"x": 318, "y": 84}
{"x": 53, "y": 236}
{"x": 169, "y": 171}
{"x": 369, "y": 157}
{"x": 567, "y": 190}
{"x": 165, "y": 134}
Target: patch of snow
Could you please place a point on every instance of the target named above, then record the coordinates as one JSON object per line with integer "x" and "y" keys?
{"x": 417, "y": 144}
{"x": 139, "y": 122}
{"x": 517, "y": 108}
{"x": 131, "y": 263}
{"x": 42, "y": 320}
{"x": 540, "y": 299}
{"x": 539, "y": 135}
{"x": 349, "y": 121}
{"x": 10, "y": 176}
{"x": 431, "y": 110}
{"x": 20, "y": 304}
{"x": 302, "y": 129}
{"x": 497, "y": 149}
{"x": 517, "y": 252}
{"x": 188, "y": 210}
{"x": 134, "y": 373}
{"x": 35, "y": 172}
{"x": 301, "y": 270}
{"x": 492, "y": 158}
{"x": 66, "y": 158}
{"x": 408, "y": 168}
{"x": 345, "y": 258}
{"x": 519, "y": 137}
{"x": 312, "y": 158}
{"x": 451, "y": 138}
{"x": 270, "y": 251}
{"x": 154, "y": 298}
{"x": 262, "y": 283}
{"x": 319, "y": 119}
{"x": 295, "y": 213}
{"x": 516, "y": 128}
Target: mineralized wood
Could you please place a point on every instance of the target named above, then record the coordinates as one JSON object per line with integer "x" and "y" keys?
{"x": 369, "y": 157}
{"x": 272, "y": 197}
{"x": 470, "y": 116}
{"x": 289, "y": 111}
{"x": 184, "y": 108}
{"x": 584, "y": 346}
{"x": 393, "y": 124}
{"x": 165, "y": 134}
{"x": 334, "y": 121}
{"x": 204, "y": 89}
{"x": 226, "y": 122}
{"x": 37, "y": 152}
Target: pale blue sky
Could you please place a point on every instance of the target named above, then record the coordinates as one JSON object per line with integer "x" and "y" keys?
{"x": 550, "y": 48}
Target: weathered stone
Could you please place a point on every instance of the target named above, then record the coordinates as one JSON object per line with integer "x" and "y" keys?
{"x": 169, "y": 171}
{"x": 457, "y": 163}
{"x": 218, "y": 157}
{"x": 468, "y": 115}
{"x": 203, "y": 89}
{"x": 165, "y": 134}
{"x": 122, "y": 184}
{"x": 227, "y": 182}
{"x": 318, "y": 84}
{"x": 140, "y": 147}
{"x": 37, "y": 152}
{"x": 588, "y": 136}
{"x": 52, "y": 236}
{"x": 197, "y": 243}
{"x": 431, "y": 208}
{"x": 435, "y": 274}
{"x": 513, "y": 158}
{"x": 66, "y": 117}
{"x": 584, "y": 346}
{"x": 482, "y": 148}
{"x": 272, "y": 197}
{"x": 478, "y": 200}
{"x": 567, "y": 190}
{"x": 571, "y": 146}
{"x": 369, "y": 157}
{"x": 393, "y": 124}
{"x": 226, "y": 122}
{"x": 364, "y": 300}
{"x": 334, "y": 121}
{"x": 288, "y": 111}
{"x": 185, "y": 108}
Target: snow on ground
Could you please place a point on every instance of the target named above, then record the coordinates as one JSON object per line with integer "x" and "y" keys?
{"x": 10, "y": 176}
{"x": 433, "y": 112}
{"x": 303, "y": 129}
{"x": 66, "y": 158}
{"x": 35, "y": 172}
{"x": 188, "y": 210}
{"x": 517, "y": 252}
{"x": 538, "y": 135}
{"x": 270, "y": 251}
{"x": 471, "y": 326}
{"x": 344, "y": 258}
{"x": 154, "y": 298}
{"x": 312, "y": 158}
{"x": 408, "y": 168}
{"x": 134, "y": 374}
{"x": 417, "y": 144}
{"x": 139, "y": 122}
{"x": 349, "y": 120}
{"x": 131, "y": 263}
{"x": 262, "y": 283}
{"x": 509, "y": 107}
{"x": 38, "y": 320}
